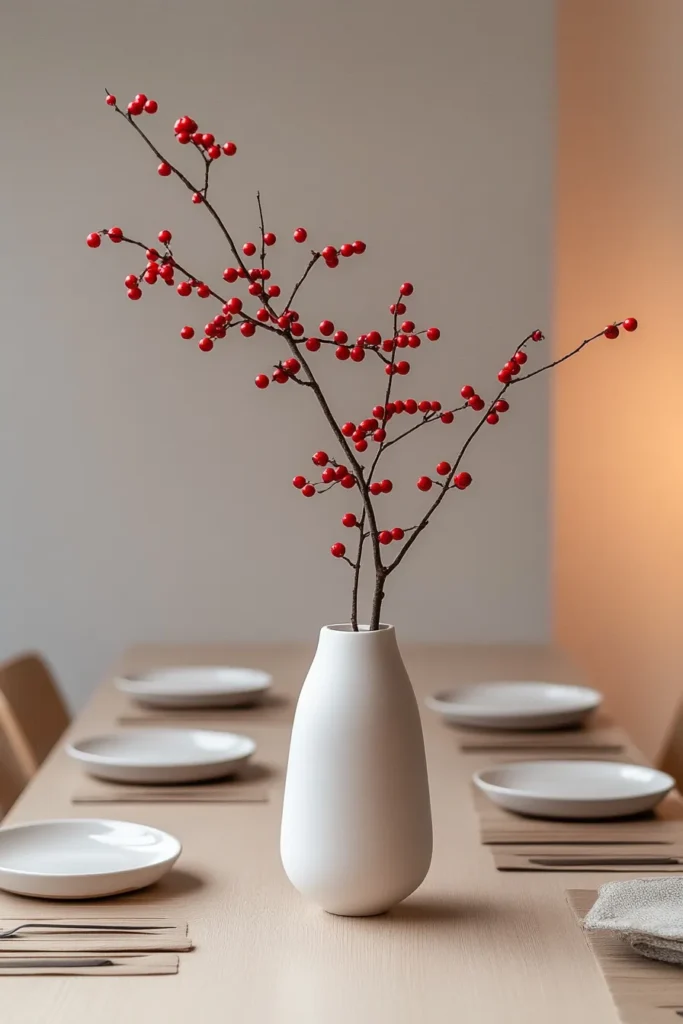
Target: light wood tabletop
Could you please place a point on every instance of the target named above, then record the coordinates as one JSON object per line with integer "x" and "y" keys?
{"x": 473, "y": 945}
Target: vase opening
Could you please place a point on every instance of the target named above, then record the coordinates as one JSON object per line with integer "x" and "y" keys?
{"x": 346, "y": 627}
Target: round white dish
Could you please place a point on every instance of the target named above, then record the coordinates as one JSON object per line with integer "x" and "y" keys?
{"x": 200, "y": 686}
{"x": 83, "y": 858}
{"x": 162, "y": 756}
{"x": 516, "y": 705}
{"x": 574, "y": 789}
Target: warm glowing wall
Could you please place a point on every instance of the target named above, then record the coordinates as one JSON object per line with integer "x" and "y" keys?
{"x": 619, "y": 409}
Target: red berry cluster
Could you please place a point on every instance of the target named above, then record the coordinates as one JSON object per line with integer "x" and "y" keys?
{"x": 460, "y": 480}
{"x": 332, "y": 473}
{"x": 186, "y": 131}
{"x": 140, "y": 105}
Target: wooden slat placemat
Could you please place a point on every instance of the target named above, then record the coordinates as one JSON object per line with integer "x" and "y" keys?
{"x": 524, "y": 858}
{"x": 644, "y": 991}
{"x": 598, "y": 734}
{"x": 497, "y": 825}
{"x": 275, "y": 710}
{"x": 95, "y": 791}
{"x": 171, "y": 935}
{"x": 127, "y": 963}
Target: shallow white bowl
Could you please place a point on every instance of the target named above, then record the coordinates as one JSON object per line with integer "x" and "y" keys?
{"x": 199, "y": 686}
{"x": 516, "y": 705}
{"x": 574, "y": 789}
{"x": 82, "y": 858}
{"x": 162, "y": 756}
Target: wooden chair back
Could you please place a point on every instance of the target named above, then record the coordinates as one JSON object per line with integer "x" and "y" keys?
{"x": 671, "y": 759}
{"x": 32, "y": 718}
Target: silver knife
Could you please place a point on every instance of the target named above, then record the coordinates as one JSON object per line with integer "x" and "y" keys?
{"x": 53, "y": 962}
{"x": 549, "y": 862}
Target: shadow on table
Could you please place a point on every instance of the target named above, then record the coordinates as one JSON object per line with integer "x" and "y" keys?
{"x": 445, "y": 912}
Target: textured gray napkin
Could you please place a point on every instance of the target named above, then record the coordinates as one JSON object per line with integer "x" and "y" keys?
{"x": 647, "y": 912}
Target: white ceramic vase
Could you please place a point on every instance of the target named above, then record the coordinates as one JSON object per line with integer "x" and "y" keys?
{"x": 356, "y": 824}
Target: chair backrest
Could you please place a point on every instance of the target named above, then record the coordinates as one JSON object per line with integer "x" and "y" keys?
{"x": 32, "y": 713}
{"x": 671, "y": 759}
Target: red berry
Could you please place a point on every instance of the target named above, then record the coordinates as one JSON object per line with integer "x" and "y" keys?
{"x": 407, "y": 326}
{"x": 386, "y": 486}
{"x": 403, "y": 367}
{"x": 210, "y": 329}
{"x": 206, "y": 344}
{"x": 476, "y": 403}
{"x": 390, "y": 370}
{"x": 208, "y": 139}
{"x": 435, "y": 406}
{"x": 234, "y": 305}
{"x": 342, "y": 353}
{"x": 443, "y": 468}
{"x": 297, "y": 330}
{"x": 93, "y": 240}
{"x": 327, "y": 475}
{"x": 492, "y": 418}
{"x": 134, "y": 293}
{"x": 131, "y": 281}
{"x": 151, "y": 107}
{"x": 338, "y": 550}
{"x": 611, "y": 332}
{"x": 152, "y": 254}
{"x": 361, "y": 446}
{"x": 346, "y": 249}
{"x": 197, "y": 197}
{"x": 520, "y": 358}
{"x": 229, "y": 148}
{"x": 261, "y": 381}
{"x": 326, "y": 328}
{"x": 165, "y": 236}
{"x": 135, "y": 108}
{"x": 359, "y": 247}
{"x": 384, "y": 537}
{"x": 110, "y": 100}
{"x": 115, "y": 234}
{"x": 433, "y": 333}
{"x": 262, "y": 315}
{"x": 293, "y": 366}
{"x": 504, "y": 377}
{"x": 274, "y": 290}
{"x": 187, "y": 333}
{"x": 300, "y": 235}
{"x": 630, "y": 323}
{"x": 388, "y": 345}
{"x": 150, "y": 276}
{"x": 329, "y": 252}
{"x": 280, "y": 377}
{"x": 164, "y": 169}
{"x": 313, "y": 344}
{"x": 397, "y": 533}
{"x": 255, "y": 288}
{"x": 414, "y": 341}
{"x": 348, "y": 429}
{"x": 348, "y": 481}
{"x": 378, "y": 412}
{"x": 141, "y": 98}
{"x": 357, "y": 354}
{"x": 379, "y": 435}
{"x": 462, "y": 480}
{"x": 375, "y": 487}
{"x": 406, "y": 288}
{"x": 397, "y": 308}
{"x": 402, "y": 341}
{"x": 349, "y": 519}
{"x": 247, "y": 329}
{"x": 184, "y": 288}
{"x": 424, "y": 483}
{"x": 308, "y": 491}
{"x": 537, "y": 336}
{"x": 341, "y": 337}
{"x": 373, "y": 338}
{"x": 501, "y": 405}
{"x": 298, "y": 481}
{"x": 203, "y": 291}
{"x": 319, "y": 458}
{"x": 424, "y": 405}
{"x": 447, "y": 417}
{"x": 248, "y": 248}
{"x": 213, "y": 152}
{"x": 341, "y": 472}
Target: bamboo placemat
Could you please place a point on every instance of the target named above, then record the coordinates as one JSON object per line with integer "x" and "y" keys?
{"x": 525, "y": 858}
{"x": 164, "y": 935}
{"x": 145, "y": 963}
{"x": 496, "y": 825}
{"x": 644, "y": 991}
{"x": 95, "y": 791}
{"x": 598, "y": 734}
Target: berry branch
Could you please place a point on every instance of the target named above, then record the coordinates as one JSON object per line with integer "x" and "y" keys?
{"x": 351, "y": 439}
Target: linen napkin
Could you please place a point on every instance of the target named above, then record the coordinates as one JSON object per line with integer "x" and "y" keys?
{"x": 81, "y": 935}
{"x": 647, "y": 912}
{"x": 73, "y": 963}
{"x": 94, "y": 791}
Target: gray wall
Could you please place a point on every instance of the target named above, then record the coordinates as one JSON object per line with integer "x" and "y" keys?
{"x": 146, "y": 490}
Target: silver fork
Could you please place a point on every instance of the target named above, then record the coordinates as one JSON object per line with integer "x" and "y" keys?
{"x": 47, "y": 925}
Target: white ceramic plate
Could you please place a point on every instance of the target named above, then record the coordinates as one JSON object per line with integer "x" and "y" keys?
{"x": 81, "y": 858}
{"x": 516, "y": 705}
{"x": 201, "y": 686}
{"x": 574, "y": 789}
{"x": 159, "y": 756}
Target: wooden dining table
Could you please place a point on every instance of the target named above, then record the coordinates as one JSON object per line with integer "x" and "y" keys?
{"x": 473, "y": 945}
